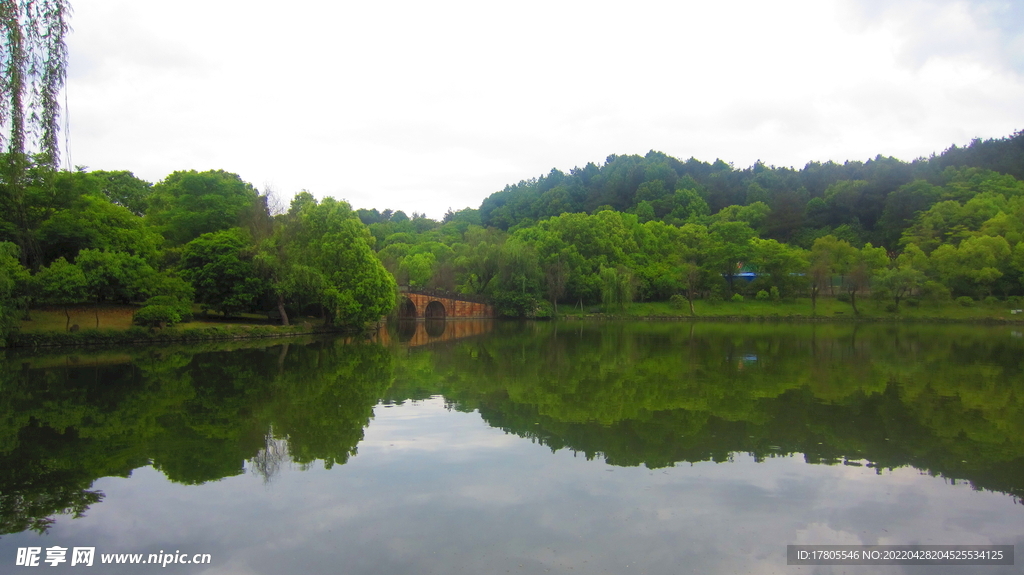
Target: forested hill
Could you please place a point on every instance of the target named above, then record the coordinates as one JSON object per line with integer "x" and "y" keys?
{"x": 858, "y": 201}
{"x": 646, "y": 228}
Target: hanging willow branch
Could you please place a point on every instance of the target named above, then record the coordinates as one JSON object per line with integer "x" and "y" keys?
{"x": 33, "y": 64}
{"x": 34, "y": 59}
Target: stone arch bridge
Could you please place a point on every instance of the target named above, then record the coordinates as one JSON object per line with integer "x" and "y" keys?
{"x": 436, "y": 304}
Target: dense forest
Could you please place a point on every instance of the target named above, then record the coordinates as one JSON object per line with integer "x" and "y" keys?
{"x": 194, "y": 238}
{"x": 633, "y": 228}
{"x": 654, "y": 227}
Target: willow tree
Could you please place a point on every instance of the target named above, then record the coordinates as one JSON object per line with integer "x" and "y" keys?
{"x": 34, "y": 58}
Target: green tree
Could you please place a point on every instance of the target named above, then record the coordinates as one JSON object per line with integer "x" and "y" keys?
{"x": 112, "y": 276}
{"x": 220, "y": 267}
{"x": 159, "y": 311}
{"x": 617, "y": 287}
{"x": 35, "y": 64}
{"x": 755, "y": 214}
{"x": 586, "y": 242}
{"x": 518, "y": 281}
{"x": 186, "y": 205}
{"x": 819, "y": 272}
{"x": 687, "y": 206}
{"x": 330, "y": 242}
{"x": 845, "y": 201}
{"x": 645, "y": 211}
{"x": 900, "y": 282}
{"x": 973, "y": 266}
{"x": 273, "y": 263}
{"x": 166, "y": 283}
{"x": 61, "y": 283}
{"x": 867, "y": 262}
{"x": 729, "y": 247}
{"x": 778, "y": 264}
{"x": 906, "y": 276}
{"x": 124, "y": 189}
{"x": 838, "y": 255}
{"x": 477, "y": 260}
{"x": 418, "y": 268}
{"x": 691, "y": 276}
{"x": 14, "y": 280}
{"x": 902, "y": 205}
{"x": 93, "y": 222}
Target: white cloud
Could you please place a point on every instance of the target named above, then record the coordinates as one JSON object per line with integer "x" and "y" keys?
{"x": 423, "y": 107}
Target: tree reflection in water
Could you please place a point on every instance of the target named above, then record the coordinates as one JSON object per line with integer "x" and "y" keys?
{"x": 947, "y": 401}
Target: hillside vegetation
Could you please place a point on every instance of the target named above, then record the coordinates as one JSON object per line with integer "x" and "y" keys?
{"x": 653, "y": 227}
{"x": 650, "y": 229}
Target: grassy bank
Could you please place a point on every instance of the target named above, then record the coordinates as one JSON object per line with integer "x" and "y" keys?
{"x": 800, "y": 309}
{"x": 48, "y": 327}
{"x": 98, "y": 355}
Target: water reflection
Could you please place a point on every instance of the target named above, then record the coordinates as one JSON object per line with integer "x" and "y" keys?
{"x": 655, "y": 395}
{"x": 415, "y": 333}
{"x": 435, "y": 327}
{"x": 195, "y": 416}
{"x": 947, "y": 402}
{"x": 406, "y": 329}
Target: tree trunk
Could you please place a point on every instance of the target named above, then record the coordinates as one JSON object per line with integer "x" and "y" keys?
{"x": 280, "y": 309}
{"x": 67, "y": 314}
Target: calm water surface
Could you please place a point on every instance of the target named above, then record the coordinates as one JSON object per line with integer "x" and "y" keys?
{"x": 519, "y": 448}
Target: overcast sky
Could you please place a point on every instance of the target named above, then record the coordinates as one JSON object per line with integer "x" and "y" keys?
{"x": 423, "y": 106}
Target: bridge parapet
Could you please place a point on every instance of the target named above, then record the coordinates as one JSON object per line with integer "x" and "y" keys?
{"x": 444, "y": 294}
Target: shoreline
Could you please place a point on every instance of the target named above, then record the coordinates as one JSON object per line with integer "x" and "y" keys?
{"x": 142, "y": 336}
{"x": 788, "y": 318}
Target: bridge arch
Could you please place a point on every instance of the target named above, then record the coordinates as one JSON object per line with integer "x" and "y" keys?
{"x": 435, "y": 310}
{"x": 407, "y": 309}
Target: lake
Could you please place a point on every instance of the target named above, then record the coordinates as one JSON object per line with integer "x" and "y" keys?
{"x": 483, "y": 447}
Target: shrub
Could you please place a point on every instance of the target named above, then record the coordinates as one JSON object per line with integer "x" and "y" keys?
{"x": 514, "y": 304}
{"x": 737, "y": 297}
{"x": 843, "y": 297}
{"x": 774, "y": 293}
{"x": 913, "y": 302}
{"x": 762, "y": 295}
{"x": 992, "y": 301}
{"x": 715, "y": 298}
{"x": 183, "y": 308}
{"x": 965, "y": 301}
{"x": 677, "y": 302}
{"x": 891, "y": 307}
{"x": 157, "y": 315}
